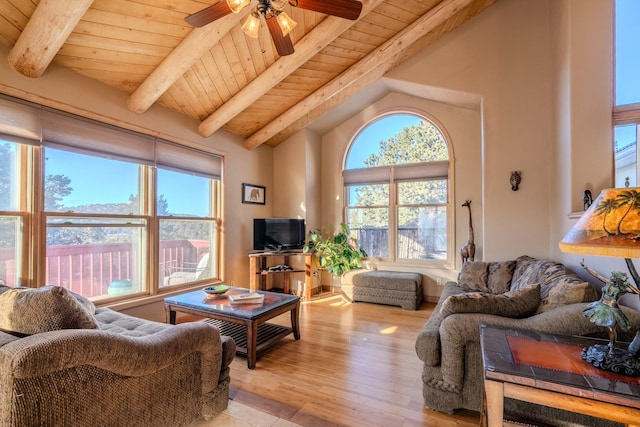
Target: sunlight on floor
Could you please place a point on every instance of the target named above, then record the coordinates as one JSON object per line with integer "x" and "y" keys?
{"x": 319, "y": 300}
{"x": 239, "y": 415}
{"x": 390, "y": 330}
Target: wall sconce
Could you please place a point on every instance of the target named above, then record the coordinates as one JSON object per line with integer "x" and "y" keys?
{"x": 516, "y": 179}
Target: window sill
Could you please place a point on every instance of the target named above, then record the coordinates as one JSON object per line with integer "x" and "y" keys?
{"x": 138, "y": 301}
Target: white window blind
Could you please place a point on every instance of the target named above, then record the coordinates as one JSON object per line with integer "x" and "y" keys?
{"x": 408, "y": 172}
{"x": 189, "y": 160}
{"x": 19, "y": 122}
{"x": 29, "y": 123}
{"x": 90, "y": 137}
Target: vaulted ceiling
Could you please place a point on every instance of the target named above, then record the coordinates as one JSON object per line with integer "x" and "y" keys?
{"x": 215, "y": 73}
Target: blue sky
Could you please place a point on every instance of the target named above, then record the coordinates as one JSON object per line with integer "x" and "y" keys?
{"x": 381, "y": 130}
{"x": 627, "y": 63}
{"x": 88, "y": 173}
{"x": 627, "y": 51}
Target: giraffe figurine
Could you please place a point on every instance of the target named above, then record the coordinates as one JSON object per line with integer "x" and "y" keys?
{"x": 468, "y": 251}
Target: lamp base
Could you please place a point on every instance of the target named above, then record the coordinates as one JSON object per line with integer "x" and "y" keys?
{"x": 617, "y": 360}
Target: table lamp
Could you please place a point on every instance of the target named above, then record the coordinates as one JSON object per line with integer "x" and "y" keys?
{"x": 610, "y": 227}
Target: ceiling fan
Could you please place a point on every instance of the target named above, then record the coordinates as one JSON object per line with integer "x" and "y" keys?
{"x": 278, "y": 22}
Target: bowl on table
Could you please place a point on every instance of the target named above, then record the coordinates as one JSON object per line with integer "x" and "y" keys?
{"x": 216, "y": 290}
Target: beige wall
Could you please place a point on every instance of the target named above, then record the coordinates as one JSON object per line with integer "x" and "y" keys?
{"x": 582, "y": 52}
{"x": 542, "y": 71}
{"x": 501, "y": 57}
{"x": 290, "y": 196}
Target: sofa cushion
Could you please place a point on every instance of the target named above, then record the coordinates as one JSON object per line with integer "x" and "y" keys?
{"x": 559, "y": 285}
{"x": 566, "y": 289}
{"x": 515, "y": 304}
{"x": 528, "y": 270}
{"x": 28, "y": 311}
{"x": 490, "y": 277}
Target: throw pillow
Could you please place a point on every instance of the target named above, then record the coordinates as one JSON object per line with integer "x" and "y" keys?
{"x": 516, "y": 304}
{"x": 474, "y": 277}
{"x": 84, "y": 301}
{"x": 490, "y": 277}
{"x": 500, "y": 274}
{"x": 529, "y": 270}
{"x": 566, "y": 289}
{"x": 28, "y": 311}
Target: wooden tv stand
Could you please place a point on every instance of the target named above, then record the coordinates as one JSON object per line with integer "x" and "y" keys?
{"x": 259, "y": 263}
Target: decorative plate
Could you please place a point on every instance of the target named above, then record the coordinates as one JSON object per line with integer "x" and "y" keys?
{"x": 216, "y": 290}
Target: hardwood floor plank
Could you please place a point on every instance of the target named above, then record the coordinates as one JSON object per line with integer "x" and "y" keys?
{"x": 354, "y": 365}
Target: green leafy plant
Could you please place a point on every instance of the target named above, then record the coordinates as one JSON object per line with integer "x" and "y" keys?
{"x": 337, "y": 252}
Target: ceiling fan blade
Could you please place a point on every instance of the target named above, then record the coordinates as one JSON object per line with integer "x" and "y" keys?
{"x": 209, "y": 14}
{"x": 284, "y": 45}
{"x": 347, "y": 9}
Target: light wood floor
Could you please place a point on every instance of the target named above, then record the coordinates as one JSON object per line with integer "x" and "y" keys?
{"x": 355, "y": 365}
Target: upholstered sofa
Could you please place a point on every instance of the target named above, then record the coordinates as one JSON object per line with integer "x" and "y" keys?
{"x": 65, "y": 363}
{"x": 525, "y": 293}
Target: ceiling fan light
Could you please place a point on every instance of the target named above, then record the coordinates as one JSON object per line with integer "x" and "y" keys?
{"x": 237, "y": 5}
{"x": 278, "y": 4}
{"x": 286, "y": 23}
{"x": 251, "y": 26}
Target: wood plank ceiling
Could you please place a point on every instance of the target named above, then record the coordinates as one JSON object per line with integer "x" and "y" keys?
{"x": 216, "y": 74}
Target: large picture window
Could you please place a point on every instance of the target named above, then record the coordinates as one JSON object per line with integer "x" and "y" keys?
{"x": 188, "y": 227}
{"x": 626, "y": 113}
{"x": 118, "y": 213}
{"x": 396, "y": 189}
{"x": 95, "y": 230}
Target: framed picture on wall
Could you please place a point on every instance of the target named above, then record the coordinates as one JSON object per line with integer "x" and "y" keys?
{"x": 255, "y": 194}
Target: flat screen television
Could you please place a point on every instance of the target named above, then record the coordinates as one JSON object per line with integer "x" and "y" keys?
{"x": 278, "y": 234}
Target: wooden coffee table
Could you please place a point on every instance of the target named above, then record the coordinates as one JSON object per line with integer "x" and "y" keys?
{"x": 245, "y": 323}
{"x": 548, "y": 370}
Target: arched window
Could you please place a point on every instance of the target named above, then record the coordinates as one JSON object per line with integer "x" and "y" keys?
{"x": 396, "y": 188}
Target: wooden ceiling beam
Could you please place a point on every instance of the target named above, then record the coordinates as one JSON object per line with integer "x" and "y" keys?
{"x": 197, "y": 43}
{"x": 372, "y": 63}
{"x": 44, "y": 35}
{"x": 323, "y": 34}
{"x": 399, "y": 58}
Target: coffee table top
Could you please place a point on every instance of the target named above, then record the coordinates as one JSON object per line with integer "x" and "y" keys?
{"x": 552, "y": 362}
{"x": 198, "y": 300}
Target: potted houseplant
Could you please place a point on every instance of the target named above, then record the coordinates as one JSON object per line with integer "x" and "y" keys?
{"x": 338, "y": 252}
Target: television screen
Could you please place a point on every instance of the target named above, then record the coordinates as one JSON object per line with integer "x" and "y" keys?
{"x": 278, "y": 234}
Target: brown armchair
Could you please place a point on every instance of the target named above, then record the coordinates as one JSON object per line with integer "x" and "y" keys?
{"x": 124, "y": 371}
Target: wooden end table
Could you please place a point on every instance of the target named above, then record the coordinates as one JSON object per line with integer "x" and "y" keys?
{"x": 245, "y": 323}
{"x": 548, "y": 370}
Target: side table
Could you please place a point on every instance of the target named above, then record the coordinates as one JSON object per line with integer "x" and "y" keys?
{"x": 259, "y": 272}
{"x": 548, "y": 370}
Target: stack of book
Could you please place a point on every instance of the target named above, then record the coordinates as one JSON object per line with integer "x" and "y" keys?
{"x": 250, "y": 298}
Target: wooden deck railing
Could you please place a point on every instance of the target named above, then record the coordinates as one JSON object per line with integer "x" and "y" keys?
{"x": 90, "y": 269}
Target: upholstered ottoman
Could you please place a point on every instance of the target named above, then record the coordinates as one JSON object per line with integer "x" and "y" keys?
{"x": 383, "y": 287}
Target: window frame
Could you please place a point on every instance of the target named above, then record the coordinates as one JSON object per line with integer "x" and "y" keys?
{"x": 215, "y": 208}
{"x": 31, "y": 176}
{"x": 431, "y": 170}
{"x": 622, "y": 114}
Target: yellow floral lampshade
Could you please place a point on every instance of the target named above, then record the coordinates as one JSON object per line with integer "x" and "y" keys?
{"x": 609, "y": 227}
